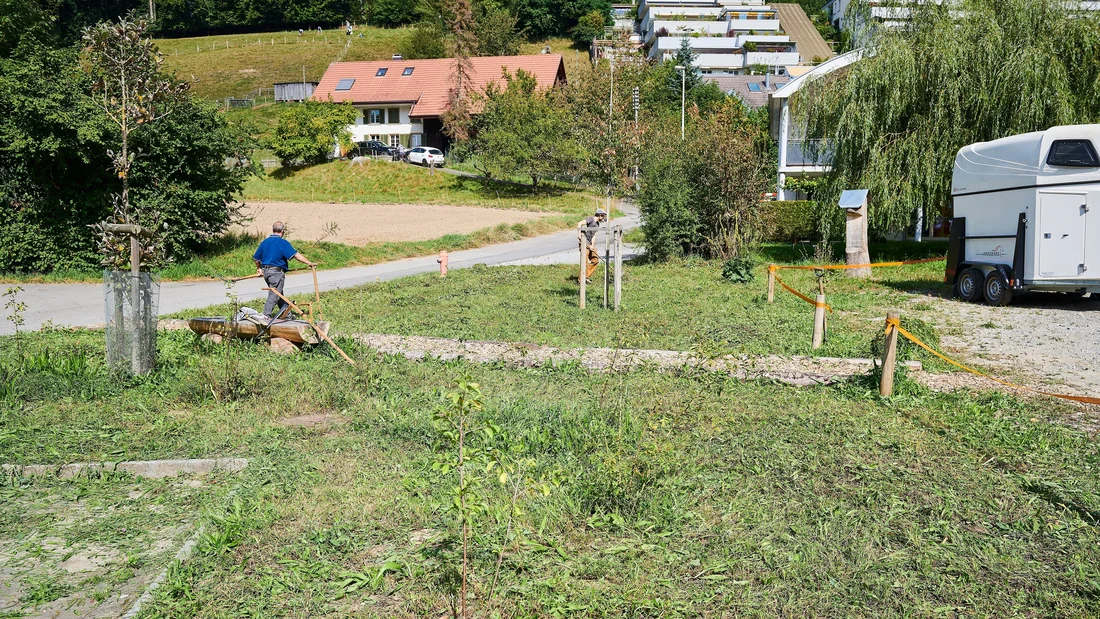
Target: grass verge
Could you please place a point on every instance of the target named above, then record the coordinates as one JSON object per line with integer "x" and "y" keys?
{"x": 231, "y": 256}
{"x": 678, "y": 494}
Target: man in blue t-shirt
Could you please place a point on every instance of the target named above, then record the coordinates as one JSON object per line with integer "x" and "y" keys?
{"x": 272, "y": 260}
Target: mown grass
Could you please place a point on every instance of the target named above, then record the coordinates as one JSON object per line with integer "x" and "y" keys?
{"x": 680, "y": 305}
{"x": 386, "y": 182}
{"x": 678, "y": 494}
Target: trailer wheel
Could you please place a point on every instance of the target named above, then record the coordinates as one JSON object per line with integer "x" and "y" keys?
{"x": 997, "y": 291}
{"x": 969, "y": 285}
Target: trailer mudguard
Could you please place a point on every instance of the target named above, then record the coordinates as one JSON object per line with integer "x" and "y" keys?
{"x": 955, "y": 246}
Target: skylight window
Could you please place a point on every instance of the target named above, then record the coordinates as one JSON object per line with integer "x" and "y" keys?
{"x": 754, "y": 87}
{"x": 407, "y": 71}
{"x": 381, "y": 72}
{"x": 345, "y": 84}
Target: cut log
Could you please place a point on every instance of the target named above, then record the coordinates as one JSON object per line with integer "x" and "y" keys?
{"x": 297, "y": 331}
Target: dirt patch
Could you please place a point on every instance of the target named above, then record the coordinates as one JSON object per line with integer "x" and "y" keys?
{"x": 323, "y": 420}
{"x": 359, "y": 224}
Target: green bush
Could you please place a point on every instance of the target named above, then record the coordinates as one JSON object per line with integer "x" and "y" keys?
{"x": 791, "y": 220}
{"x": 738, "y": 270}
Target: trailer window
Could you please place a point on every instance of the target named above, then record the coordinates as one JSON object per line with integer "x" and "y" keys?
{"x": 1073, "y": 153}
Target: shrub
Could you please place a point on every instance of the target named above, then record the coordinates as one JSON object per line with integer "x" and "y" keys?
{"x": 738, "y": 270}
{"x": 426, "y": 42}
{"x": 791, "y": 220}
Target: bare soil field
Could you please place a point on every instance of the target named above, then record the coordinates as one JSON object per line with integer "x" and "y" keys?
{"x": 359, "y": 224}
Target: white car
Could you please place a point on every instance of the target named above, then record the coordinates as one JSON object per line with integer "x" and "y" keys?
{"x": 426, "y": 156}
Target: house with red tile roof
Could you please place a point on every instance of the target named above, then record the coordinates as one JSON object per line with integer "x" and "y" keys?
{"x": 403, "y": 101}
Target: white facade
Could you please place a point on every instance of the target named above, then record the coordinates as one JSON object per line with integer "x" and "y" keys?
{"x": 799, "y": 157}
{"x": 895, "y": 13}
{"x": 378, "y": 122}
{"x": 728, "y": 38}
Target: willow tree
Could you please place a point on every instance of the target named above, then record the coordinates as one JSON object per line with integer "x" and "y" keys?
{"x": 961, "y": 72}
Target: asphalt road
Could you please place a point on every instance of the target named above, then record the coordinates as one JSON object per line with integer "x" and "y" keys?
{"x": 83, "y": 304}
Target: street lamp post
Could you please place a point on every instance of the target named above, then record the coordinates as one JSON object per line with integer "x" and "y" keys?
{"x": 683, "y": 96}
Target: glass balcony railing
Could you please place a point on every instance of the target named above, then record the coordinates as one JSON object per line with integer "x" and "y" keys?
{"x": 811, "y": 153}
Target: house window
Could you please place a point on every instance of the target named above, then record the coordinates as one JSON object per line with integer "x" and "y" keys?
{"x": 381, "y": 72}
{"x": 754, "y": 87}
{"x": 394, "y": 116}
{"x": 395, "y": 141}
{"x": 407, "y": 72}
{"x": 374, "y": 117}
{"x": 345, "y": 84}
{"x": 414, "y": 140}
{"x": 374, "y": 138}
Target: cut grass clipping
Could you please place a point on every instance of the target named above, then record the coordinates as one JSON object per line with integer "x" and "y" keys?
{"x": 640, "y": 494}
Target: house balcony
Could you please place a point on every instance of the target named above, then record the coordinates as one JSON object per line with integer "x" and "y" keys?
{"x": 806, "y": 156}
{"x": 772, "y": 58}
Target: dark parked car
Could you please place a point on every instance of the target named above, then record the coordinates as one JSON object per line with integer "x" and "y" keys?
{"x": 373, "y": 148}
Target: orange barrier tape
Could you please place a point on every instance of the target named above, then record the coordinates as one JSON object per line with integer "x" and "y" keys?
{"x": 832, "y": 267}
{"x": 799, "y": 294}
{"x": 912, "y": 338}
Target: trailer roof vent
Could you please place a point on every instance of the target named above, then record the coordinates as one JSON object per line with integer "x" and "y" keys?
{"x": 1073, "y": 153}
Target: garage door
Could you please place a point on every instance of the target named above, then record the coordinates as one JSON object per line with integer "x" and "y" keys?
{"x": 1062, "y": 234}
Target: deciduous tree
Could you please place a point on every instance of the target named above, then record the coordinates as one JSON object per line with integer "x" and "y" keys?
{"x": 308, "y": 132}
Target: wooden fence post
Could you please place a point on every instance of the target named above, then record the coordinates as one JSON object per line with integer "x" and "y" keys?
{"x": 584, "y": 263}
{"x": 771, "y": 283}
{"x": 889, "y": 356}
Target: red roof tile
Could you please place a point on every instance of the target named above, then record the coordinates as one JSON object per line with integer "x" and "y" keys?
{"x": 428, "y": 86}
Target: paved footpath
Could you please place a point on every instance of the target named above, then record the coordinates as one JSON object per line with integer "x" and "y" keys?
{"x": 83, "y": 304}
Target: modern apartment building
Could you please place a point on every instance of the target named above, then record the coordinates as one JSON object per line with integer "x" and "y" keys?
{"x": 728, "y": 37}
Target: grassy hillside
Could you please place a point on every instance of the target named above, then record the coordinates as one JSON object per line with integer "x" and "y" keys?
{"x": 384, "y": 182}
{"x": 234, "y": 65}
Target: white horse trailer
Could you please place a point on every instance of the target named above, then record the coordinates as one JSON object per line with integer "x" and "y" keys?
{"x": 1023, "y": 217}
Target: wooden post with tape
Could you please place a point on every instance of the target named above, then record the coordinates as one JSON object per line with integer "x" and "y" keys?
{"x": 819, "y": 312}
{"x": 819, "y": 322}
{"x": 889, "y": 355}
{"x": 771, "y": 283}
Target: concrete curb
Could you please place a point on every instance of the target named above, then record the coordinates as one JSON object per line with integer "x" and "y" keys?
{"x": 152, "y": 469}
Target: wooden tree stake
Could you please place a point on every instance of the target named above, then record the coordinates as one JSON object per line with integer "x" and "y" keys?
{"x": 889, "y": 356}
{"x": 618, "y": 267}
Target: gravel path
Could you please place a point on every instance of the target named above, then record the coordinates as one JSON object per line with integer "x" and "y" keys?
{"x": 800, "y": 371}
{"x": 359, "y": 224}
{"x": 1046, "y": 340}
